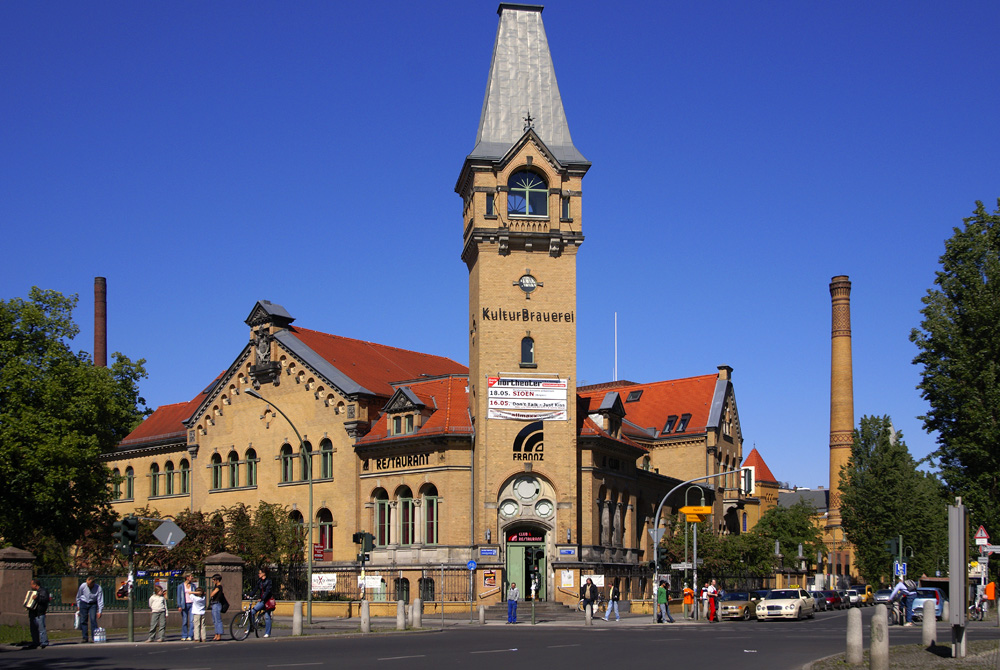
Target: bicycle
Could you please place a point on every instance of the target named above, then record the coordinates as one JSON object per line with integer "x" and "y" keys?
{"x": 976, "y": 610}
{"x": 897, "y": 613}
{"x": 247, "y": 620}
{"x": 600, "y": 605}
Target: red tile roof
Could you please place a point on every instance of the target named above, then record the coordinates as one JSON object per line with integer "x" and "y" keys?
{"x": 446, "y": 396}
{"x": 163, "y": 424}
{"x": 762, "y": 473}
{"x": 692, "y": 395}
{"x": 375, "y": 366}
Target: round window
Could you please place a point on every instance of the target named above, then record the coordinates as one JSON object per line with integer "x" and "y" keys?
{"x": 509, "y": 508}
{"x": 526, "y": 488}
{"x": 543, "y": 508}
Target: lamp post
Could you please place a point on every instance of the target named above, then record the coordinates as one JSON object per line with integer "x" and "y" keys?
{"x": 309, "y": 469}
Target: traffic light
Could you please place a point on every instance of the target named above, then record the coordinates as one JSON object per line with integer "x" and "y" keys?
{"x": 119, "y": 537}
{"x": 662, "y": 558}
{"x": 747, "y": 477}
{"x": 367, "y": 541}
{"x": 126, "y": 533}
{"x": 892, "y": 546}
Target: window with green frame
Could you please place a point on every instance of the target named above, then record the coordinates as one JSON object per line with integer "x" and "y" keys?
{"x": 251, "y": 467}
{"x": 130, "y": 483}
{"x": 168, "y": 477}
{"x": 216, "y": 471}
{"x": 306, "y": 461}
{"x": 326, "y": 459}
{"x": 430, "y": 505}
{"x": 383, "y": 517}
{"x": 233, "y": 468}
{"x": 154, "y": 480}
{"x": 527, "y": 194}
{"x": 406, "y": 521}
{"x": 116, "y": 485}
{"x": 185, "y": 476}
{"x": 287, "y": 463}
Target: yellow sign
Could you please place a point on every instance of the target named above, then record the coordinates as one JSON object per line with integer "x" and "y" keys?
{"x": 695, "y": 518}
{"x": 693, "y": 509}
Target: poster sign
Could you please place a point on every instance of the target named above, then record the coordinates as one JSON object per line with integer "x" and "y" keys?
{"x": 489, "y": 578}
{"x": 566, "y": 579}
{"x": 598, "y": 580}
{"x": 324, "y": 581}
{"x": 518, "y": 415}
{"x": 527, "y": 403}
{"x": 317, "y": 551}
{"x": 525, "y": 536}
{"x": 525, "y": 399}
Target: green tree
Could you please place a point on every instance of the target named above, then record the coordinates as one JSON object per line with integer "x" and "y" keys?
{"x": 885, "y": 496}
{"x": 792, "y": 526}
{"x": 58, "y": 413}
{"x": 959, "y": 342}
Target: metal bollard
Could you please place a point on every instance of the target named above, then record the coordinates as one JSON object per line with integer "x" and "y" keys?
{"x": 297, "y": 618}
{"x": 589, "y": 615}
{"x": 878, "y": 657}
{"x": 929, "y": 629}
{"x": 400, "y": 615}
{"x": 855, "y": 638}
{"x": 416, "y": 619}
{"x": 366, "y": 618}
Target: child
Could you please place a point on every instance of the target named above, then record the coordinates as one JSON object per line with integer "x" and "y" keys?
{"x": 198, "y": 614}
{"x": 158, "y": 615}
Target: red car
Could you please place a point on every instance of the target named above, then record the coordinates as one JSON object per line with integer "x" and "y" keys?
{"x": 834, "y": 601}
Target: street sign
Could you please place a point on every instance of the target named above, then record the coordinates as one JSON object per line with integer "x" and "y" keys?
{"x": 899, "y": 569}
{"x": 317, "y": 551}
{"x": 982, "y": 537}
{"x": 696, "y": 509}
{"x": 169, "y": 534}
{"x": 694, "y": 518}
{"x": 656, "y": 534}
{"x": 685, "y": 566}
{"x": 471, "y": 565}
{"x": 989, "y": 549}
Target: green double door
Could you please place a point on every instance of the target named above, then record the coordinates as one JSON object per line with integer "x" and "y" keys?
{"x": 524, "y": 561}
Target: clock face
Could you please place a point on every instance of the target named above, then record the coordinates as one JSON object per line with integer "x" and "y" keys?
{"x": 527, "y": 283}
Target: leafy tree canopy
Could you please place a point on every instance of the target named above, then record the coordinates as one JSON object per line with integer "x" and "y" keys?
{"x": 792, "y": 526}
{"x": 959, "y": 343}
{"x": 58, "y": 413}
{"x": 883, "y": 496}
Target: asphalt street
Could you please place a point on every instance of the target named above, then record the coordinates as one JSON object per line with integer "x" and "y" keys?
{"x": 561, "y": 644}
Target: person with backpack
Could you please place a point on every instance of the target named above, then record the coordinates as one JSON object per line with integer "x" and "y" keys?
{"x": 217, "y": 597}
{"x": 905, "y": 591}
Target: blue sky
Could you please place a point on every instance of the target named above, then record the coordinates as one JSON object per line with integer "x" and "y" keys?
{"x": 203, "y": 155}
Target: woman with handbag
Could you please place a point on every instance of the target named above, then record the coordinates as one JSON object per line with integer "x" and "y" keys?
{"x": 219, "y": 605}
{"x": 266, "y": 599}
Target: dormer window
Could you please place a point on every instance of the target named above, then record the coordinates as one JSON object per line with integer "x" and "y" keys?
{"x": 682, "y": 426}
{"x": 671, "y": 422}
{"x": 633, "y": 396}
{"x": 527, "y": 194}
{"x": 402, "y": 425}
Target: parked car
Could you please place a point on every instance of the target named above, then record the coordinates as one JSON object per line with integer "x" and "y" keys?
{"x": 820, "y": 599}
{"x": 786, "y": 604}
{"x": 882, "y": 595}
{"x": 762, "y": 593}
{"x": 925, "y": 594}
{"x": 738, "y": 605}
{"x": 867, "y": 594}
{"x": 833, "y": 600}
{"x": 853, "y": 598}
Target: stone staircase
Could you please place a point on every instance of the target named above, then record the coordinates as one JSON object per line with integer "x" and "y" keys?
{"x": 544, "y": 611}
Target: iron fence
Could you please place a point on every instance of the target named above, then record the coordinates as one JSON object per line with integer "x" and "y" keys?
{"x": 441, "y": 584}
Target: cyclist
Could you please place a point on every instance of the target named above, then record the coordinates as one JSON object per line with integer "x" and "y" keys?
{"x": 905, "y": 591}
{"x": 264, "y": 595}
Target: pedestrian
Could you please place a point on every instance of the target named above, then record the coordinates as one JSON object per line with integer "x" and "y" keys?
{"x": 265, "y": 599}
{"x": 37, "y": 603}
{"x": 613, "y": 602}
{"x": 185, "y": 591}
{"x": 704, "y": 601}
{"x": 198, "y": 615}
{"x": 157, "y": 615}
{"x": 688, "y": 602}
{"x": 589, "y": 595}
{"x": 713, "y": 596}
{"x": 217, "y": 599}
{"x": 663, "y": 603}
{"x": 90, "y": 602}
{"x": 513, "y": 595}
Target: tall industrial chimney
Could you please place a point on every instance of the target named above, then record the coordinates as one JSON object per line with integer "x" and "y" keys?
{"x": 841, "y": 391}
{"x": 100, "y": 322}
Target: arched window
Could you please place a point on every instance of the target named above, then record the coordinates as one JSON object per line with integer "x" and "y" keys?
{"x": 430, "y": 505}
{"x": 306, "y": 461}
{"x": 298, "y": 522}
{"x": 383, "y": 518}
{"x": 216, "y": 471}
{"x": 287, "y": 463}
{"x": 527, "y": 194}
{"x": 234, "y": 469}
{"x": 406, "y": 521}
{"x": 116, "y": 484}
{"x": 527, "y": 351}
{"x": 325, "y": 519}
{"x": 185, "y": 473}
{"x": 130, "y": 483}
{"x": 744, "y": 522}
{"x": 154, "y": 480}
{"x": 252, "y": 468}
{"x": 168, "y": 478}
{"x": 326, "y": 459}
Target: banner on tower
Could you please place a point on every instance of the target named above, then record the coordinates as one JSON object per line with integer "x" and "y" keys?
{"x": 527, "y": 399}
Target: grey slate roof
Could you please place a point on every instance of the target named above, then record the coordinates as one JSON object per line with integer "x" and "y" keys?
{"x": 522, "y": 81}
{"x": 333, "y": 375}
{"x": 820, "y": 500}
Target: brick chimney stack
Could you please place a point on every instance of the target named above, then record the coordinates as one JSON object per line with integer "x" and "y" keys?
{"x": 100, "y": 322}
{"x": 841, "y": 391}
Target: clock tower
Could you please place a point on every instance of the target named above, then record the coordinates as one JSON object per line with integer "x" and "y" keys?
{"x": 521, "y": 189}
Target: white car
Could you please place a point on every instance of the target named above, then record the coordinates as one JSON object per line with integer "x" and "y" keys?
{"x": 853, "y": 597}
{"x": 786, "y": 604}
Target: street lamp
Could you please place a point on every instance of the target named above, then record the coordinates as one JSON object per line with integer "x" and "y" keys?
{"x": 309, "y": 469}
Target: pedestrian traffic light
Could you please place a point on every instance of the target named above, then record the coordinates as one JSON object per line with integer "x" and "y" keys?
{"x": 363, "y": 558}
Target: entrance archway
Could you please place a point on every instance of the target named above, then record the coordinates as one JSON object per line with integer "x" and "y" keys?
{"x": 526, "y": 560}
